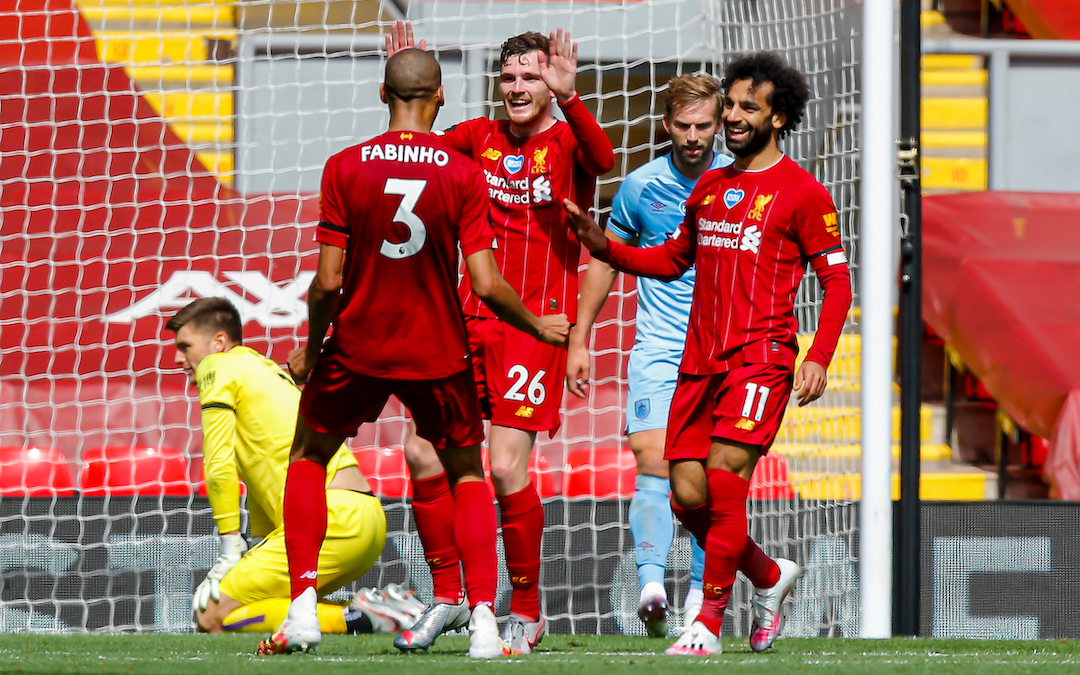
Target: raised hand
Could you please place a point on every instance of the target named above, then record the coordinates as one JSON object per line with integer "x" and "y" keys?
{"x": 588, "y": 232}
{"x": 401, "y": 38}
{"x": 559, "y": 70}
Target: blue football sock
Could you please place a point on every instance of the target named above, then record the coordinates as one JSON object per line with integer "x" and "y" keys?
{"x": 652, "y": 527}
{"x": 697, "y": 563}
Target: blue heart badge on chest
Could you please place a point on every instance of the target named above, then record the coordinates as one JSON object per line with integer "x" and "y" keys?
{"x": 733, "y": 197}
{"x": 513, "y": 163}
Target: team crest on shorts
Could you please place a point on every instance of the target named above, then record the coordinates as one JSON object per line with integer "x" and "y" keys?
{"x": 642, "y": 408}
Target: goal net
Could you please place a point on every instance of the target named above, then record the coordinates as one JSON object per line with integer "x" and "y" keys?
{"x": 156, "y": 151}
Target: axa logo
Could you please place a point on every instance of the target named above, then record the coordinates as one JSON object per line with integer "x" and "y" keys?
{"x": 279, "y": 306}
{"x": 751, "y": 239}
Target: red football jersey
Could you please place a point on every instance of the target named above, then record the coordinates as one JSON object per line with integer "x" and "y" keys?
{"x": 399, "y": 204}
{"x": 750, "y": 234}
{"x": 528, "y": 178}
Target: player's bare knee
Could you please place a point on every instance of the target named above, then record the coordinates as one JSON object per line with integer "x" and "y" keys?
{"x": 509, "y": 475}
{"x": 689, "y": 486}
{"x": 421, "y": 457}
{"x": 209, "y": 620}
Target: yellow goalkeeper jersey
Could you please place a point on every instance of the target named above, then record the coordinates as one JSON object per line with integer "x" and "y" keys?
{"x": 249, "y": 407}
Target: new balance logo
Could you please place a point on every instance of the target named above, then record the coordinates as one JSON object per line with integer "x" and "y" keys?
{"x": 751, "y": 239}
{"x": 310, "y": 574}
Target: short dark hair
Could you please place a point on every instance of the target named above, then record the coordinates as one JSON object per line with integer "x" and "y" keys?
{"x": 214, "y": 314}
{"x": 523, "y": 44}
{"x": 790, "y": 92}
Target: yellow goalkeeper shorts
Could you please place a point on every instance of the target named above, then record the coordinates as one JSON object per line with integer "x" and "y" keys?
{"x": 355, "y": 536}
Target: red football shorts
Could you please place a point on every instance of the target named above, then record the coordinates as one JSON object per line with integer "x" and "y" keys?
{"x": 519, "y": 378}
{"x": 745, "y": 405}
{"x": 446, "y": 411}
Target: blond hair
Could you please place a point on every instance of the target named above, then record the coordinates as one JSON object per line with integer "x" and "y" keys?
{"x": 688, "y": 90}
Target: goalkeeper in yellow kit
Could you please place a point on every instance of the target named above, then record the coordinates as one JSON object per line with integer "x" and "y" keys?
{"x": 249, "y": 407}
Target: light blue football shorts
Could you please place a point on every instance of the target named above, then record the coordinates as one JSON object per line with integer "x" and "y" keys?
{"x": 652, "y": 373}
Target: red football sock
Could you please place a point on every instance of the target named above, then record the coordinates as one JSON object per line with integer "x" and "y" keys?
{"x": 725, "y": 544}
{"x": 522, "y": 528}
{"x": 304, "y": 514}
{"x": 433, "y": 512}
{"x": 696, "y": 520}
{"x": 759, "y": 568}
{"x": 475, "y": 533}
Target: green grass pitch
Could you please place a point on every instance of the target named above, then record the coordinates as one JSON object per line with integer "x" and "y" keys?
{"x": 592, "y": 655}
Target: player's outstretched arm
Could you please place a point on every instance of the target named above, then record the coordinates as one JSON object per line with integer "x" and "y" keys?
{"x": 401, "y": 37}
{"x": 596, "y": 286}
{"x": 666, "y": 262}
{"x": 489, "y": 286}
{"x": 322, "y": 300}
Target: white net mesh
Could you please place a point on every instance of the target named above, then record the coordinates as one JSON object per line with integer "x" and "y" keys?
{"x": 154, "y": 151}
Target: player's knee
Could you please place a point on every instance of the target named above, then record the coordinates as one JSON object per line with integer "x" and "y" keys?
{"x": 209, "y": 620}
{"x": 508, "y": 475}
{"x": 421, "y": 457}
{"x": 689, "y": 487}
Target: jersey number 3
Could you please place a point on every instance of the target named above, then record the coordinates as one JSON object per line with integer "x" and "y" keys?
{"x": 410, "y": 191}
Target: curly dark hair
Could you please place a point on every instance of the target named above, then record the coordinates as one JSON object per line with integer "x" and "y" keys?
{"x": 523, "y": 44}
{"x": 790, "y": 92}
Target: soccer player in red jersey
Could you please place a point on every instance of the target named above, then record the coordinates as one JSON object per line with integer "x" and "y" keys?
{"x": 400, "y": 204}
{"x": 532, "y": 162}
{"x": 750, "y": 230}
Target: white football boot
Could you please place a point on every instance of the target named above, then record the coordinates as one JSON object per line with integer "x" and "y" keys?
{"x": 766, "y": 604}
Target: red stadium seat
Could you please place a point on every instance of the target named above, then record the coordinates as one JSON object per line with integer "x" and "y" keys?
{"x": 34, "y": 472}
{"x": 771, "y": 479}
{"x": 385, "y": 470}
{"x": 604, "y": 473}
{"x": 540, "y": 474}
{"x": 120, "y": 470}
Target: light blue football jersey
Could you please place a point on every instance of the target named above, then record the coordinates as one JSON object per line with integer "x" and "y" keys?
{"x": 650, "y": 205}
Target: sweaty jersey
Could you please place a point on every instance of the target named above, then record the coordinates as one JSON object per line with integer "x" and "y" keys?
{"x": 249, "y": 409}
{"x": 527, "y": 179}
{"x": 650, "y": 204}
{"x": 399, "y": 204}
{"x": 750, "y": 235}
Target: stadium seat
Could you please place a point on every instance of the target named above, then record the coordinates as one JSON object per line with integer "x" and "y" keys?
{"x": 603, "y": 473}
{"x": 771, "y": 479}
{"x": 121, "y": 470}
{"x": 34, "y": 472}
{"x": 540, "y": 474}
{"x": 385, "y": 470}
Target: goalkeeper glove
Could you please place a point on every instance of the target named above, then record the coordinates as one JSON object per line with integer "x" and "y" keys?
{"x": 231, "y": 547}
